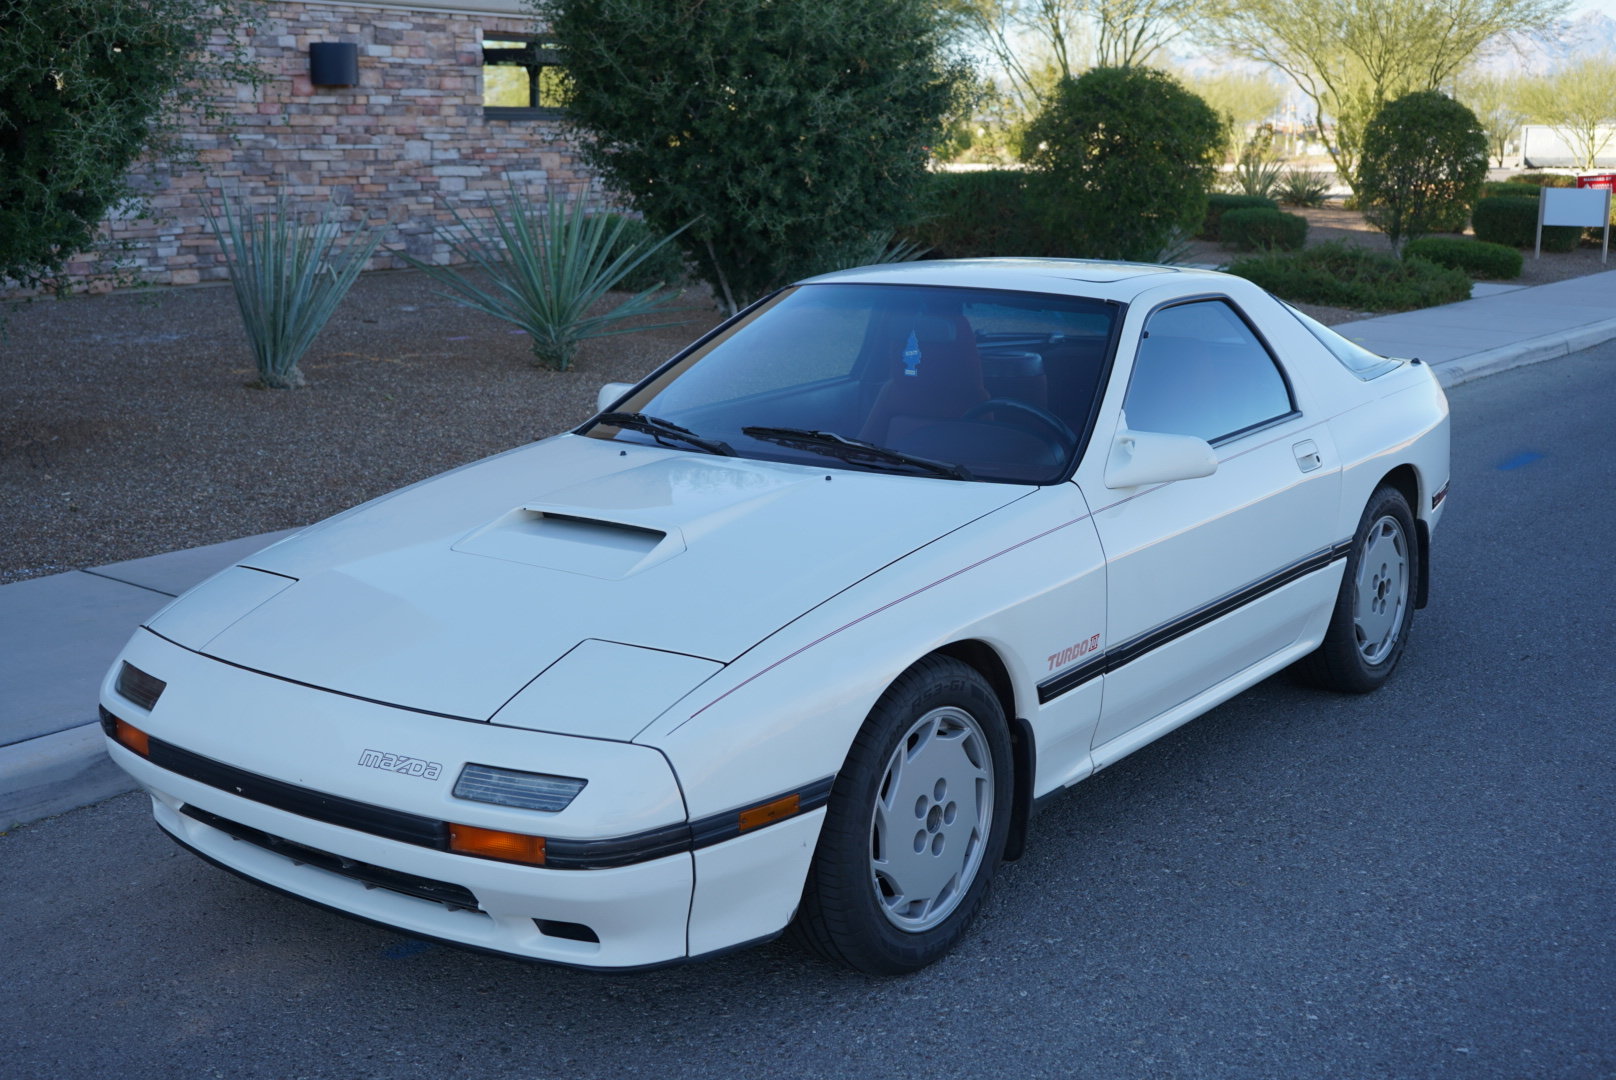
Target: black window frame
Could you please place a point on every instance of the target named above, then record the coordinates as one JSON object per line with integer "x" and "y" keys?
{"x": 1262, "y": 343}
{"x": 537, "y": 54}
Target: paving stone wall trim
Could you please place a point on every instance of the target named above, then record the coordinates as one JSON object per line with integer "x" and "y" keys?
{"x": 393, "y": 149}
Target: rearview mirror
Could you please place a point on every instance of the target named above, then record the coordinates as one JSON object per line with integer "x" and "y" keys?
{"x": 611, "y": 394}
{"x": 1150, "y": 457}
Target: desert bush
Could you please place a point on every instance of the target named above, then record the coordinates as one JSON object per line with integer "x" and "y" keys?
{"x": 1218, "y": 204}
{"x": 662, "y": 266}
{"x": 1264, "y": 230}
{"x": 543, "y": 269}
{"x": 971, "y": 214}
{"x": 289, "y": 273}
{"x": 1543, "y": 179}
{"x": 1512, "y": 221}
{"x": 1504, "y": 189}
{"x": 1257, "y": 170}
{"x": 1422, "y": 164}
{"x": 1477, "y": 258}
{"x": 785, "y": 135}
{"x": 1122, "y": 156}
{"x": 1302, "y": 187}
{"x": 1341, "y": 275}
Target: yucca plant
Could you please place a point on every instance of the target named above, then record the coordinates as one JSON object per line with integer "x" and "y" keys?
{"x": 543, "y": 269}
{"x": 289, "y": 276}
{"x": 1302, "y": 187}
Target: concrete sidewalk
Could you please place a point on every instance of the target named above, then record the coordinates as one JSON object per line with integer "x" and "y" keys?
{"x": 59, "y": 634}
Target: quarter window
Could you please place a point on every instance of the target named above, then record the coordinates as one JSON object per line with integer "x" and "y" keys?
{"x": 1200, "y": 370}
{"x": 522, "y": 77}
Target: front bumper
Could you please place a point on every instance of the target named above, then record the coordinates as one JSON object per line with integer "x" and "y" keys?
{"x": 245, "y": 753}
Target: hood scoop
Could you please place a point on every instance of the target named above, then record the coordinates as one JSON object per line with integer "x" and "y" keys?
{"x": 561, "y": 538}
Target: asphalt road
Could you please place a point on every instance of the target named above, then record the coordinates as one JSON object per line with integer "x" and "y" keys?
{"x": 1412, "y": 884}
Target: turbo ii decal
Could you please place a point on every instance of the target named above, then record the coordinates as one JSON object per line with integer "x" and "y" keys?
{"x": 1073, "y": 652}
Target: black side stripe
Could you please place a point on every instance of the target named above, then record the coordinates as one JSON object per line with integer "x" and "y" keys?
{"x": 1129, "y": 651}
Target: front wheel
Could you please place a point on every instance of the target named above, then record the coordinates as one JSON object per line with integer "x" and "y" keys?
{"x": 1369, "y": 627}
{"x": 916, "y": 824}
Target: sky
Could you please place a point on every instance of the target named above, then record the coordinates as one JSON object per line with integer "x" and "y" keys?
{"x": 1607, "y": 7}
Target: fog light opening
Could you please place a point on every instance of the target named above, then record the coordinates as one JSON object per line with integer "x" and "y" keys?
{"x": 571, "y": 931}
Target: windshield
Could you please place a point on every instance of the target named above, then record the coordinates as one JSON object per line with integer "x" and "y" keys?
{"x": 989, "y": 385}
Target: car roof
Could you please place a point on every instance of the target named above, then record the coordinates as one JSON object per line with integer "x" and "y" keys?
{"x": 1121, "y": 281}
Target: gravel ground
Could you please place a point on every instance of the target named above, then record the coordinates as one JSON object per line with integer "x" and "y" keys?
{"x": 128, "y": 425}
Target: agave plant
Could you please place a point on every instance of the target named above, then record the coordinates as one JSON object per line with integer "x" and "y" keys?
{"x": 289, "y": 276}
{"x": 1302, "y": 187}
{"x": 545, "y": 269}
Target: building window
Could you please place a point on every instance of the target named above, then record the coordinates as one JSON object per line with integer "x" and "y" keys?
{"x": 522, "y": 77}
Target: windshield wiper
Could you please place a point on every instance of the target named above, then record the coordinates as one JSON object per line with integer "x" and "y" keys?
{"x": 857, "y": 450}
{"x": 663, "y": 430}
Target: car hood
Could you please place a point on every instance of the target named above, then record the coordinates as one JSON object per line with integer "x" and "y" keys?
{"x": 452, "y": 595}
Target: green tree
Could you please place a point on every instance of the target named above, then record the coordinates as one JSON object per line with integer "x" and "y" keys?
{"x": 86, "y": 87}
{"x": 1126, "y": 157}
{"x": 1244, "y": 101}
{"x": 1037, "y": 43}
{"x": 1423, "y": 163}
{"x": 1350, "y": 57}
{"x": 1496, "y": 101}
{"x": 1578, "y": 101}
{"x": 787, "y": 136}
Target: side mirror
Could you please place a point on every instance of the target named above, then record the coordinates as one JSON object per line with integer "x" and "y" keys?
{"x": 1150, "y": 457}
{"x": 611, "y": 394}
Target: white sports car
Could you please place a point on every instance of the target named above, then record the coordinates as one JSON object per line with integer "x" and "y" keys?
{"x": 802, "y": 627}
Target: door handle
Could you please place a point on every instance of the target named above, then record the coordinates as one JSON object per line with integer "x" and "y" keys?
{"x": 1307, "y": 455}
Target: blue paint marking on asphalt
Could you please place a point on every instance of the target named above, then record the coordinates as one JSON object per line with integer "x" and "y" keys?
{"x": 1524, "y": 458}
{"x": 406, "y": 949}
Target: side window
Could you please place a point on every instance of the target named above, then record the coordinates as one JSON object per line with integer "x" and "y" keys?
{"x": 1201, "y": 371}
{"x": 522, "y": 77}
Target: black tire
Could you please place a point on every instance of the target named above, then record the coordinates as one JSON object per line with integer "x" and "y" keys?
{"x": 1375, "y": 607}
{"x": 943, "y": 711}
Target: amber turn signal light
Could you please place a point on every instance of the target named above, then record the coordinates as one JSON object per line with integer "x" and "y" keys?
{"x": 769, "y": 813}
{"x": 130, "y": 737}
{"x": 495, "y": 844}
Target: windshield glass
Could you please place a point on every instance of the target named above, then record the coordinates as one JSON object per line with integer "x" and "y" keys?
{"x": 997, "y": 385}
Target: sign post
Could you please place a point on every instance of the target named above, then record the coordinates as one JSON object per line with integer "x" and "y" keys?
{"x": 1585, "y": 207}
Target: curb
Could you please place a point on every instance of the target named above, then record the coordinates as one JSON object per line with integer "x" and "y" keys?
{"x": 53, "y": 774}
{"x": 1523, "y": 353}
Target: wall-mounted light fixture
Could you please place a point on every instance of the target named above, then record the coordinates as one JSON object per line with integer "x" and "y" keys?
{"x": 334, "y": 63}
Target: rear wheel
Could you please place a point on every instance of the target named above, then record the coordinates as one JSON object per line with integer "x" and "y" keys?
{"x": 1373, "y": 610}
{"x": 916, "y": 824}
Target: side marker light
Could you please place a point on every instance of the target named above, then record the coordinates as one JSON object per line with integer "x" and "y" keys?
{"x": 770, "y": 812}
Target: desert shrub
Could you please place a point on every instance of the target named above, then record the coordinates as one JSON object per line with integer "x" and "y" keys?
{"x": 1422, "y": 164}
{"x": 970, "y": 214}
{"x": 663, "y": 265}
{"x": 86, "y": 88}
{"x": 1512, "y": 221}
{"x": 1504, "y": 189}
{"x": 544, "y": 269}
{"x": 1122, "y": 156}
{"x": 784, "y": 135}
{"x": 1543, "y": 179}
{"x": 1477, "y": 258}
{"x": 1218, "y": 204}
{"x": 1257, "y": 170}
{"x": 1302, "y": 187}
{"x": 289, "y": 273}
{"x": 1264, "y": 230}
{"x": 1340, "y": 275}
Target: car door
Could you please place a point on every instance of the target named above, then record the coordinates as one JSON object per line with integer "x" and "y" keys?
{"x": 1207, "y": 576}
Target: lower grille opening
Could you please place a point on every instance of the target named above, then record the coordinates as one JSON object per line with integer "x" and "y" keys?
{"x": 572, "y": 931}
{"x": 452, "y": 896}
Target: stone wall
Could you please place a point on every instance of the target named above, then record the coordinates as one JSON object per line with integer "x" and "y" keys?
{"x": 409, "y": 137}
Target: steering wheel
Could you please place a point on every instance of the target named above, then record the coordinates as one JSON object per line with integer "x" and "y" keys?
{"x": 1065, "y": 436}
